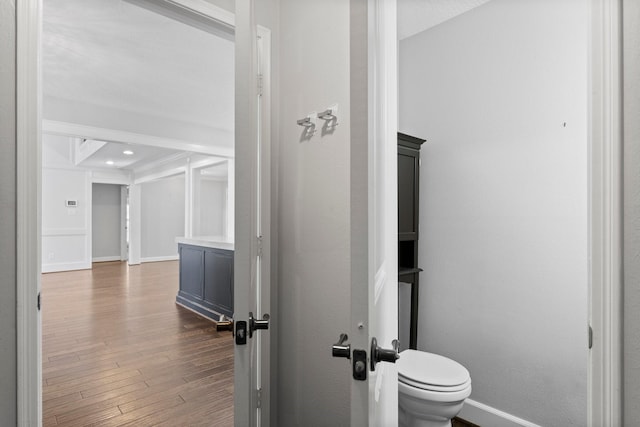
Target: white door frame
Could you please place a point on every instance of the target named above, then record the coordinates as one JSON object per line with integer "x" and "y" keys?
{"x": 253, "y": 221}
{"x": 124, "y": 226}
{"x": 28, "y": 233}
{"x": 28, "y": 162}
{"x": 605, "y": 214}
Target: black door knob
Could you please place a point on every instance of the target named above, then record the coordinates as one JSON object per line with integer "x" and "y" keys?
{"x": 383, "y": 355}
{"x": 255, "y": 324}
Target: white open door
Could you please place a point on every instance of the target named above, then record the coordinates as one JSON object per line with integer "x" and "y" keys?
{"x": 375, "y": 305}
{"x": 363, "y": 239}
{"x": 367, "y": 392}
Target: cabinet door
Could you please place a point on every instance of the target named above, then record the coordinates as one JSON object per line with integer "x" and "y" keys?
{"x": 407, "y": 193}
{"x": 191, "y": 263}
{"x": 218, "y": 276}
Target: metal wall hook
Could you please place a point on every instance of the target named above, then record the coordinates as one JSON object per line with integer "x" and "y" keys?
{"x": 306, "y": 122}
{"x": 327, "y": 115}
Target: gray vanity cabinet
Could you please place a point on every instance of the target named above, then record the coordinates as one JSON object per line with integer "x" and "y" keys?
{"x": 206, "y": 280}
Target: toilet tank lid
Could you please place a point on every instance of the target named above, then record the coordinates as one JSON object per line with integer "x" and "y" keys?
{"x": 431, "y": 369}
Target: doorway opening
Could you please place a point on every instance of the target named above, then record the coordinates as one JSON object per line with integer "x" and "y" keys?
{"x": 109, "y": 222}
{"x": 503, "y": 200}
{"x": 138, "y": 107}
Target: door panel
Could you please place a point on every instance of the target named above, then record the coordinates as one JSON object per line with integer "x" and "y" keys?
{"x": 218, "y": 268}
{"x": 337, "y": 214}
{"x": 407, "y": 164}
{"x": 191, "y": 262}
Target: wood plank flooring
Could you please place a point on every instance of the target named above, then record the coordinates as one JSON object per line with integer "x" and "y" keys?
{"x": 117, "y": 350}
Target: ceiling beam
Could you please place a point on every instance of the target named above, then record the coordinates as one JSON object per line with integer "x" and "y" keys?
{"x": 90, "y": 132}
{"x": 195, "y": 13}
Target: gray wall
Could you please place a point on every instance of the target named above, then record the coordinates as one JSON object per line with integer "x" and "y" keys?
{"x": 105, "y": 221}
{"x": 503, "y": 220}
{"x": 162, "y": 207}
{"x": 7, "y": 215}
{"x": 213, "y": 208}
{"x": 313, "y": 214}
{"x": 631, "y": 212}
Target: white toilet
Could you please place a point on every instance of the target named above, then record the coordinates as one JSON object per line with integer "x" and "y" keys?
{"x": 431, "y": 389}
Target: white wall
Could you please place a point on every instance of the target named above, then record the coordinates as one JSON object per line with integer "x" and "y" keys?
{"x": 66, "y": 239}
{"x": 213, "y": 208}
{"x": 228, "y": 5}
{"x": 500, "y": 95}
{"x": 8, "y": 392}
{"x": 631, "y": 92}
{"x": 163, "y": 212}
{"x": 105, "y": 222}
{"x": 67, "y": 232}
{"x": 313, "y": 215}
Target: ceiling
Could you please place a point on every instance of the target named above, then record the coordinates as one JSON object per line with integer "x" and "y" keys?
{"x": 115, "y": 54}
{"x": 112, "y": 64}
{"x": 126, "y": 156}
{"x": 415, "y": 16}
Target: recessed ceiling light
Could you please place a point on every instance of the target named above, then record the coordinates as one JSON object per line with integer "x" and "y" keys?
{"x": 109, "y": 162}
{"x": 128, "y": 152}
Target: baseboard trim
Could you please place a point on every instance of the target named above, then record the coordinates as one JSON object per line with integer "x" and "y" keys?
{"x": 484, "y": 415}
{"x": 107, "y": 258}
{"x": 54, "y": 268}
{"x": 198, "y": 309}
{"x": 160, "y": 258}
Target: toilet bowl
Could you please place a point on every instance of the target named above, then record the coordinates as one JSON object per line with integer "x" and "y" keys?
{"x": 431, "y": 389}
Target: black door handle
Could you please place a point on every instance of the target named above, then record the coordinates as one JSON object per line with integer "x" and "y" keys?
{"x": 255, "y": 324}
{"x": 339, "y": 349}
{"x": 383, "y": 355}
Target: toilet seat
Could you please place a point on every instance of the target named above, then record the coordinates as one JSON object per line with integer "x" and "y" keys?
{"x": 432, "y": 372}
{"x": 431, "y": 387}
{"x": 432, "y": 396}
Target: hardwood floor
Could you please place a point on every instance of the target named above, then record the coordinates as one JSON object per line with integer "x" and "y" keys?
{"x": 117, "y": 350}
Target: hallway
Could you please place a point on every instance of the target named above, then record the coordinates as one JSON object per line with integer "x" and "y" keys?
{"x": 117, "y": 350}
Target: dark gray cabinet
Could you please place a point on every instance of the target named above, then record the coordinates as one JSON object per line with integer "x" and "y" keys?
{"x": 206, "y": 280}
{"x": 408, "y": 222}
{"x": 408, "y": 187}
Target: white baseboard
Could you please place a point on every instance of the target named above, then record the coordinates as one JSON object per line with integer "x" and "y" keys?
{"x": 54, "y": 268}
{"x": 107, "y": 258}
{"x": 486, "y": 416}
{"x": 160, "y": 258}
